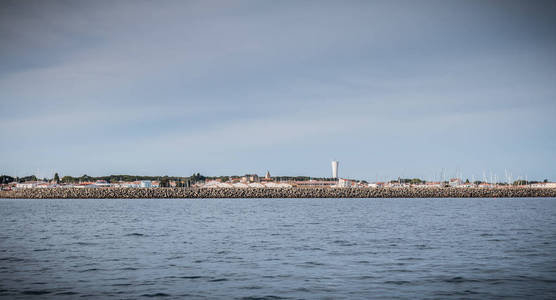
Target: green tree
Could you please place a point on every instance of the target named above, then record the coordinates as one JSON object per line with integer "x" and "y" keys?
{"x": 164, "y": 182}
{"x": 6, "y": 179}
{"x": 28, "y": 178}
{"x": 415, "y": 181}
{"x": 197, "y": 177}
{"x": 56, "y": 178}
{"x": 68, "y": 179}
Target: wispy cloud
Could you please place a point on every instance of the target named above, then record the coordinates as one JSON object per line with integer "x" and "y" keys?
{"x": 222, "y": 86}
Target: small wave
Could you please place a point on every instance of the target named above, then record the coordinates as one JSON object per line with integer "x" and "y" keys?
{"x": 314, "y": 263}
{"x": 135, "y": 234}
{"x": 69, "y": 293}
{"x": 121, "y": 284}
{"x": 459, "y": 279}
{"x": 35, "y": 292}
{"x": 410, "y": 258}
{"x": 397, "y": 282}
{"x": 89, "y": 270}
{"x": 455, "y": 279}
{"x": 174, "y": 257}
{"x": 401, "y": 271}
{"x": 12, "y": 259}
{"x": 156, "y": 295}
{"x": 251, "y": 287}
{"x": 218, "y": 280}
{"x": 344, "y": 243}
{"x": 84, "y": 244}
{"x": 270, "y": 297}
{"x": 191, "y": 277}
{"x": 364, "y": 277}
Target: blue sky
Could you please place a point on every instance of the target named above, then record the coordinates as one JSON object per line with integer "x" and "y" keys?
{"x": 388, "y": 88}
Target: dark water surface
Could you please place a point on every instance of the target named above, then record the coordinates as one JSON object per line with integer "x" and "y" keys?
{"x": 278, "y": 248}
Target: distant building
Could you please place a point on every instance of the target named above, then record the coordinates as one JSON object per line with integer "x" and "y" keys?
{"x": 314, "y": 183}
{"x": 335, "y": 164}
{"x": 544, "y": 185}
{"x": 277, "y": 185}
{"x": 376, "y": 185}
{"x": 127, "y": 184}
{"x": 345, "y": 183}
{"x": 396, "y": 184}
{"x": 31, "y": 184}
{"x": 432, "y": 184}
{"x": 465, "y": 185}
{"x": 145, "y": 184}
{"x": 250, "y": 178}
{"x": 102, "y": 183}
{"x": 455, "y": 182}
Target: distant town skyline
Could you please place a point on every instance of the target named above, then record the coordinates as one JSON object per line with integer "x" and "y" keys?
{"x": 405, "y": 89}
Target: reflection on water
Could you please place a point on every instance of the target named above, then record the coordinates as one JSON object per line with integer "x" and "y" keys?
{"x": 278, "y": 248}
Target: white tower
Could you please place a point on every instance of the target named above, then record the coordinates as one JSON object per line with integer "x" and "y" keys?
{"x": 335, "y": 169}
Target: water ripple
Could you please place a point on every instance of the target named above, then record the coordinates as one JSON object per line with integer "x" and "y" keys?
{"x": 278, "y": 248}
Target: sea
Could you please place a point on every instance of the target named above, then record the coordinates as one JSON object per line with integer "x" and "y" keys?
{"x": 278, "y": 248}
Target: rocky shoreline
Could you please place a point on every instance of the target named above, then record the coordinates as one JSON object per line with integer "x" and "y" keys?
{"x": 125, "y": 193}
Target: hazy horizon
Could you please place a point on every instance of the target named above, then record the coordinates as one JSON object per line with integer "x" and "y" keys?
{"x": 390, "y": 89}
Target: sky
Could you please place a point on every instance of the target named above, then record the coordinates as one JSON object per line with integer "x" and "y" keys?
{"x": 388, "y": 88}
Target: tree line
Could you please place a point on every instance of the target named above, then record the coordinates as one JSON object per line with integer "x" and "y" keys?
{"x": 197, "y": 177}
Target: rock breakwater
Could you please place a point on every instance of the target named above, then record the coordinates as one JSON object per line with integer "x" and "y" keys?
{"x": 99, "y": 193}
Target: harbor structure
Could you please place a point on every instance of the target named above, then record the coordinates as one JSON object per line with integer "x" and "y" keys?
{"x": 335, "y": 164}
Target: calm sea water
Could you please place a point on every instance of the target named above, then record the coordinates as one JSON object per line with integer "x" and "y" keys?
{"x": 278, "y": 248}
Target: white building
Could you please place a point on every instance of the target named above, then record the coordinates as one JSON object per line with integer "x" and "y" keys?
{"x": 344, "y": 183}
{"x": 335, "y": 164}
{"x": 277, "y": 185}
{"x": 145, "y": 184}
{"x": 455, "y": 182}
{"x": 545, "y": 185}
{"x": 102, "y": 183}
{"x": 27, "y": 184}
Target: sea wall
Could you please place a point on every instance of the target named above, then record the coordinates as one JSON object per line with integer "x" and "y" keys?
{"x": 80, "y": 193}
